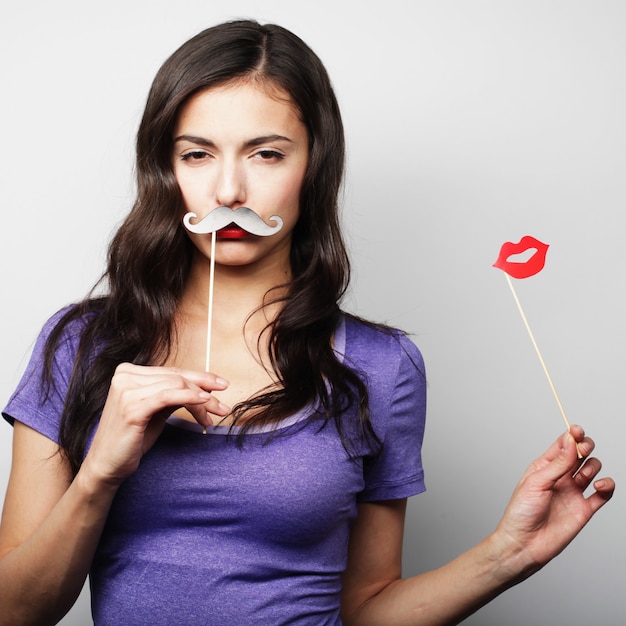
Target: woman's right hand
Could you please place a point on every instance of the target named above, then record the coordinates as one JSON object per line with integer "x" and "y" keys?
{"x": 140, "y": 400}
{"x": 52, "y": 521}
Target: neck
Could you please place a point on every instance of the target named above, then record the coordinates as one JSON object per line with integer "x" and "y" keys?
{"x": 238, "y": 291}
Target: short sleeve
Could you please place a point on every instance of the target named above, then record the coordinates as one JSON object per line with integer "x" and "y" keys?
{"x": 35, "y": 403}
{"x": 398, "y": 407}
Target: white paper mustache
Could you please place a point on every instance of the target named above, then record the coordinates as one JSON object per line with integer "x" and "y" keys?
{"x": 222, "y": 216}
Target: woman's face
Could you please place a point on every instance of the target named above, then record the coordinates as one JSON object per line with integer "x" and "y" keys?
{"x": 242, "y": 144}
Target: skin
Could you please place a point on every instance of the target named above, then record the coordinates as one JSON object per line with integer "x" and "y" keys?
{"x": 51, "y": 524}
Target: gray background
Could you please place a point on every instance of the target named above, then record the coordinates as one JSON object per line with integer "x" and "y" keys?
{"x": 469, "y": 124}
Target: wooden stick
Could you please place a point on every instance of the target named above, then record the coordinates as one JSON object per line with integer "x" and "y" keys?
{"x": 210, "y": 308}
{"x": 543, "y": 364}
{"x": 209, "y": 324}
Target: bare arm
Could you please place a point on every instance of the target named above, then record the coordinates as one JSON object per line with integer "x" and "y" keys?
{"x": 546, "y": 512}
{"x": 51, "y": 524}
{"x": 50, "y": 528}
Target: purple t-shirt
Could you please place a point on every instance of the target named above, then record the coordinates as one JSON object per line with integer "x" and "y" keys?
{"x": 206, "y": 532}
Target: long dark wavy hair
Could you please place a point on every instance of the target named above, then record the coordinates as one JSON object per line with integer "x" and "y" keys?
{"x": 150, "y": 255}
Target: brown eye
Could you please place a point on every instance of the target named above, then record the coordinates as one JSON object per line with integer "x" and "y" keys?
{"x": 194, "y": 155}
{"x": 269, "y": 155}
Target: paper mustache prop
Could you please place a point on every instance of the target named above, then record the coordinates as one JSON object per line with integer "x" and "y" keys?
{"x": 524, "y": 269}
{"x": 223, "y": 216}
{"x": 215, "y": 220}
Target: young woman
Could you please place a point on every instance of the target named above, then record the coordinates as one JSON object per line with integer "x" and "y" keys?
{"x": 273, "y": 490}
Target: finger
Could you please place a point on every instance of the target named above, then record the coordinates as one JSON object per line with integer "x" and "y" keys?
{"x": 576, "y": 432}
{"x": 604, "y": 489}
{"x": 559, "y": 460}
{"x": 147, "y": 374}
{"x": 215, "y": 406}
{"x": 203, "y": 416}
{"x": 549, "y": 456}
{"x": 211, "y": 405}
{"x": 141, "y": 403}
{"x": 128, "y": 376}
{"x": 200, "y": 414}
{"x": 587, "y": 472}
{"x": 585, "y": 446}
{"x": 206, "y": 380}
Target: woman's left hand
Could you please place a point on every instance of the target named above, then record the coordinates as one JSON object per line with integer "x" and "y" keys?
{"x": 549, "y": 507}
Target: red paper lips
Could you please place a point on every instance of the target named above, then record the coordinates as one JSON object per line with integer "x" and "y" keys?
{"x": 523, "y": 269}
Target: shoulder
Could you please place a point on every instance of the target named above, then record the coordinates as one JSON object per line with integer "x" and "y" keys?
{"x": 64, "y": 330}
{"x": 69, "y": 322}
{"x": 373, "y": 346}
{"x": 39, "y": 397}
{"x": 58, "y": 343}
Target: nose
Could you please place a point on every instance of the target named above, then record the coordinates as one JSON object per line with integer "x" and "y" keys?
{"x": 230, "y": 185}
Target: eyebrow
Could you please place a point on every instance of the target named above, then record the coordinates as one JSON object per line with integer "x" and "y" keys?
{"x": 251, "y": 143}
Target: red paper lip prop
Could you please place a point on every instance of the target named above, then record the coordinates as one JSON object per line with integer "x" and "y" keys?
{"x": 522, "y": 270}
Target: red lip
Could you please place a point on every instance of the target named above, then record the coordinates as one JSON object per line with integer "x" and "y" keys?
{"x": 232, "y": 231}
{"x": 522, "y": 270}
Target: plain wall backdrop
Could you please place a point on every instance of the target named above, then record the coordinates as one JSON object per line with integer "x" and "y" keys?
{"x": 469, "y": 123}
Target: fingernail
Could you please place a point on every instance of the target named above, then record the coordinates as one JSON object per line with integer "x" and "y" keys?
{"x": 223, "y": 407}
{"x": 221, "y": 381}
{"x": 583, "y": 448}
